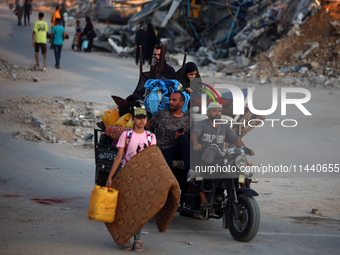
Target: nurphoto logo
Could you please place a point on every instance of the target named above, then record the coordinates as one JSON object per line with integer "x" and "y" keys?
{"x": 239, "y": 99}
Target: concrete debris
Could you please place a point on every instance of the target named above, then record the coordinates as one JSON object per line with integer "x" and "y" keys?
{"x": 178, "y": 58}
{"x": 335, "y": 26}
{"x": 295, "y": 30}
{"x": 81, "y": 9}
{"x": 250, "y": 25}
{"x": 204, "y": 56}
{"x": 310, "y": 58}
{"x": 14, "y": 76}
{"x": 290, "y": 69}
{"x": 88, "y": 137}
{"x": 316, "y": 211}
{"x": 52, "y": 129}
{"x": 119, "y": 49}
{"x": 314, "y": 46}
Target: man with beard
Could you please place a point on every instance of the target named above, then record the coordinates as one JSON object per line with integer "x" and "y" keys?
{"x": 172, "y": 128}
{"x": 206, "y": 132}
{"x": 169, "y": 72}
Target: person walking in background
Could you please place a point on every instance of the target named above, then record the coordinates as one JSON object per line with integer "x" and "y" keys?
{"x": 141, "y": 40}
{"x": 28, "y": 12}
{"x": 55, "y": 16}
{"x": 57, "y": 35}
{"x": 63, "y": 14}
{"x": 11, "y": 4}
{"x": 19, "y": 5}
{"x": 39, "y": 38}
{"x": 88, "y": 34}
{"x": 152, "y": 42}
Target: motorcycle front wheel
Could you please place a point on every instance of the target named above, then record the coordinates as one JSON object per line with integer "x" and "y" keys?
{"x": 244, "y": 226}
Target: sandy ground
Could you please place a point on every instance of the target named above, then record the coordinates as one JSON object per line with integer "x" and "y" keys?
{"x": 35, "y": 174}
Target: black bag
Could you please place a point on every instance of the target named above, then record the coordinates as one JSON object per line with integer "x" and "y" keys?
{"x": 91, "y": 34}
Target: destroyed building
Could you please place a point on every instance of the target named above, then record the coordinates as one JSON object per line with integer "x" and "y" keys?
{"x": 250, "y": 26}
{"x": 241, "y": 38}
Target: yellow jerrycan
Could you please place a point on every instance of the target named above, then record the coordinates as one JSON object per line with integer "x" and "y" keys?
{"x": 110, "y": 117}
{"x": 129, "y": 124}
{"x": 103, "y": 204}
{"x": 123, "y": 120}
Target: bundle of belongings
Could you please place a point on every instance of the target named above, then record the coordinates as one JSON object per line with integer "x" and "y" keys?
{"x": 153, "y": 91}
{"x": 158, "y": 95}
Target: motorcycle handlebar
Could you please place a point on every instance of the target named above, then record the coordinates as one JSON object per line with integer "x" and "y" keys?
{"x": 216, "y": 148}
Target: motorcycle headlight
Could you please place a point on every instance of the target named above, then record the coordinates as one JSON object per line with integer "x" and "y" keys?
{"x": 241, "y": 161}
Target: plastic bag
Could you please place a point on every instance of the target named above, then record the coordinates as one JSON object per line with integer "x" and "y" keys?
{"x": 85, "y": 44}
{"x": 65, "y": 16}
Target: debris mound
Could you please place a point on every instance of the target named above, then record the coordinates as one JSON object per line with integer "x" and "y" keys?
{"x": 310, "y": 50}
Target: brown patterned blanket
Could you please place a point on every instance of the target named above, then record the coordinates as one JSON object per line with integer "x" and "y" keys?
{"x": 147, "y": 188}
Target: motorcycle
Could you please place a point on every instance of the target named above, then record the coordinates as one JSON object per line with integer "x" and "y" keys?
{"x": 228, "y": 194}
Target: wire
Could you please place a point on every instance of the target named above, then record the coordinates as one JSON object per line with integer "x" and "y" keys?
{"x": 226, "y": 3}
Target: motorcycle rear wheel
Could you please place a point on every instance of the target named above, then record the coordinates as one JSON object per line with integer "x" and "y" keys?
{"x": 244, "y": 226}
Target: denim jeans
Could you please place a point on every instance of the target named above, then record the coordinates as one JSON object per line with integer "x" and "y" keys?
{"x": 57, "y": 54}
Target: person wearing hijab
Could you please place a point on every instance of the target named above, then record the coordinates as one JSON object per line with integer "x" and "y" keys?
{"x": 152, "y": 42}
{"x": 87, "y": 29}
{"x": 141, "y": 39}
{"x": 190, "y": 78}
{"x": 19, "y": 5}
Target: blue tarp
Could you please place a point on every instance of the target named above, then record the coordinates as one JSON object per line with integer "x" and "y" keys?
{"x": 159, "y": 96}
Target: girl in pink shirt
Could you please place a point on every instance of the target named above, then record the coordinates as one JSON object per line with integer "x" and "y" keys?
{"x": 129, "y": 144}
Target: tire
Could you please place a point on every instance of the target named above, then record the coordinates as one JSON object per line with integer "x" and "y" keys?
{"x": 244, "y": 227}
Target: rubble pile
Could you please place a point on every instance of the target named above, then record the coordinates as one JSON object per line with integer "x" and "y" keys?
{"x": 310, "y": 53}
{"x": 277, "y": 42}
{"x": 215, "y": 29}
{"x": 16, "y": 72}
{"x": 8, "y": 70}
{"x": 55, "y": 120}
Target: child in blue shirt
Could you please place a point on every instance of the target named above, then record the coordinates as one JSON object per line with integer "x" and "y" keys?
{"x": 57, "y": 35}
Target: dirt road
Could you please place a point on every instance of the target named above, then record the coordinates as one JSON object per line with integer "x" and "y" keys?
{"x": 45, "y": 187}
